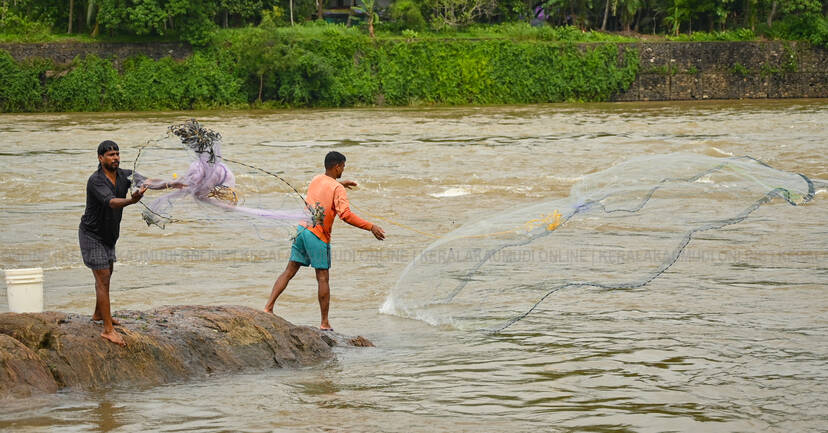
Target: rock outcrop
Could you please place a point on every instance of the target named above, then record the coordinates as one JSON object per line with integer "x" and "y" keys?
{"x": 44, "y": 352}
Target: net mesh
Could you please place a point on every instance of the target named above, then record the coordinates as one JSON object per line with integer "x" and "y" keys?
{"x": 209, "y": 191}
{"x": 494, "y": 272}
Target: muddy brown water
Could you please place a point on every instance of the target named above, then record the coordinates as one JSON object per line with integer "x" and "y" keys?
{"x": 731, "y": 344}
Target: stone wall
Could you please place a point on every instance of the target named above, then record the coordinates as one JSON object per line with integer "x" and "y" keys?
{"x": 64, "y": 52}
{"x": 728, "y": 70}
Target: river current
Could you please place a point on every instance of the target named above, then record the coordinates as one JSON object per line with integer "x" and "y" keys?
{"x": 722, "y": 342}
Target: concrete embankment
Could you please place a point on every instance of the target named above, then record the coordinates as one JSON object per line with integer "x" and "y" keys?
{"x": 45, "y": 352}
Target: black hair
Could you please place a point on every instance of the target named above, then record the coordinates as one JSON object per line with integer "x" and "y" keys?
{"x": 106, "y": 146}
{"x": 332, "y": 159}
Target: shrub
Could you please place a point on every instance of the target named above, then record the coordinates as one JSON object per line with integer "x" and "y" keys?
{"x": 206, "y": 83}
{"x": 24, "y": 28}
{"x": 406, "y": 15}
{"x": 320, "y": 64}
{"x": 20, "y": 88}
{"x": 739, "y": 69}
{"x": 150, "y": 85}
{"x": 275, "y": 17}
{"x": 90, "y": 85}
{"x": 501, "y": 72}
{"x": 728, "y": 35}
{"x": 809, "y": 27}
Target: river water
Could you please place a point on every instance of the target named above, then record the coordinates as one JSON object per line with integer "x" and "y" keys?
{"x": 713, "y": 345}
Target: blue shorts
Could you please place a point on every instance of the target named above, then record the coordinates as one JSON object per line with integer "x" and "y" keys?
{"x": 308, "y": 249}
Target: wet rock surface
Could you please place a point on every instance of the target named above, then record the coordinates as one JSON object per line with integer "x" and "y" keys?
{"x": 22, "y": 372}
{"x": 44, "y": 352}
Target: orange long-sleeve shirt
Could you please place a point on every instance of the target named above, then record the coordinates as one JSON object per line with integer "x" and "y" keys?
{"x": 331, "y": 195}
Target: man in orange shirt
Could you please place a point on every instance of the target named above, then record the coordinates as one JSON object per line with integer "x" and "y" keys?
{"x": 312, "y": 244}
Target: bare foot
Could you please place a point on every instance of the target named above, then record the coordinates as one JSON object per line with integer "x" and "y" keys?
{"x": 114, "y": 337}
{"x": 114, "y": 320}
{"x": 268, "y": 310}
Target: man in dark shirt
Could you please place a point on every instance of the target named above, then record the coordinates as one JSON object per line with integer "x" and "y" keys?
{"x": 100, "y": 225}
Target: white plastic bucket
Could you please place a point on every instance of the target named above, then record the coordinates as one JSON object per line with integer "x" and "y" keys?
{"x": 24, "y": 290}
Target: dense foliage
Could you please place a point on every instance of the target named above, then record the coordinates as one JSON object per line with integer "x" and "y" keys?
{"x": 194, "y": 20}
{"x": 93, "y": 84}
{"x": 501, "y": 72}
{"x": 20, "y": 85}
{"x": 425, "y": 51}
{"x": 328, "y": 65}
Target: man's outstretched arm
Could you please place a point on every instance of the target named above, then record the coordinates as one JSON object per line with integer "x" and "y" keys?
{"x": 162, "y": 184}
{"x": 341, "y": 201}
{"x": 117, "y": 203}
{"x": 352, "y": 219}
{"x": 141, "y": 180}
{"x": 348, "y": 183}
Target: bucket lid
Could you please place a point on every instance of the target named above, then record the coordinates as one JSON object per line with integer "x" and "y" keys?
{"x": 24, "y": 276}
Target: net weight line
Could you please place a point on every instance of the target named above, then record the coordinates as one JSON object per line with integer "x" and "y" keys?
{"x": 316, "y": 212}
{"x": 780, "y": 192}
{"x": 783, "y": 193}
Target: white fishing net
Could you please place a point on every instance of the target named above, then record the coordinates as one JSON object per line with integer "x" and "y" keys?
{"x": 493, "y": 272}
{"x": 207, "y": 187}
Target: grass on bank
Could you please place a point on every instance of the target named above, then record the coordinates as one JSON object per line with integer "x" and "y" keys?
{"x": 519, "y": 31}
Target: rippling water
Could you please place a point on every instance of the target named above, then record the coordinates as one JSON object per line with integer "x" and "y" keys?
{"x": 738, "y": 343}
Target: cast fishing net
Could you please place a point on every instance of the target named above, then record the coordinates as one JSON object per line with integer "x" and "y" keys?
{"x": 618, "y": 229}
{"x": 208, "y": 190}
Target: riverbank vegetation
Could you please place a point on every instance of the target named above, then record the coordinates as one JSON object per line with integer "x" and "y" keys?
{"x": 279, "y": 54}
{"x": 324, "y": 66}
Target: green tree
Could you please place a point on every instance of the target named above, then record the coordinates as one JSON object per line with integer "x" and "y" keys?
{"x": 372, "y": 15}
{"x": 801, "y": 6}
{"x": 257, "y": 54}
{"x": 71, "y": 8}
{"x": 723, "y": 10}
{"x": 406, "y": 14}
{"x": 677, "y": 12}
{"x": 514, "y": 10}
{"x": 454, "y": 13}
{"x": 244, "y": 9}
{"x": 627, "y": 10}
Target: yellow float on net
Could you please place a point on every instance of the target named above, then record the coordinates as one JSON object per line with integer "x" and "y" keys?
{"x": 550, "y": 221}
{"x": 556, "y": 221}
